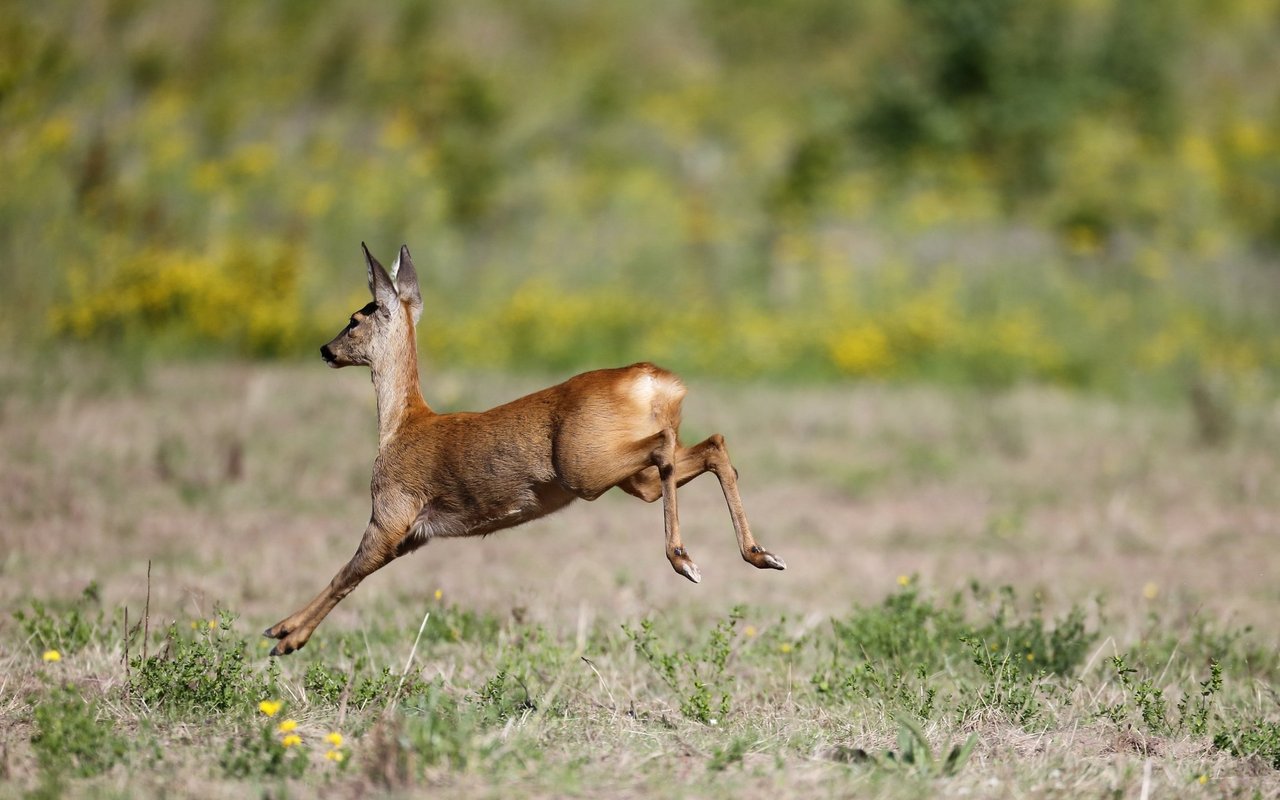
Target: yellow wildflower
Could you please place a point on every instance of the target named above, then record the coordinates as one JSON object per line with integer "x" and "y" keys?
{"x": 288, "y": 725}
{"x": 1150, "y": 590}
{"x": 1031, "y": 656}
{"x": 213, "y": 624}
{"x": 334, "y": 739}
{"x": 270, "y": 707}
{"x": 291, "y": 740}
{"x": 904, "y": 580}
{"x": 52, "y": 655}
{"x": 750, "y": 630}
{"x": 334, "y": 755}
{"x": 785, "y": 647}
{"x": 439, "y": 593}
{"x": 1203, "y": 778}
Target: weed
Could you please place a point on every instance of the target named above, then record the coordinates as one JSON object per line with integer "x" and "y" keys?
{"x": 438, "y": 729}
{"x": 267, "y": 749}
{"x": 1006, "y": 686}
{"x": 501, "y": 700}
{"x": 914, "y": 754}
{"x": 696, "y": 675}
{"x": 68, "y": 630}
{"x": 325, "y": 685}
{"x": 208, "y": 673}
{"x": 71, "y": 739}
{"x": 1252, "y": 738}
{"x": 724, "y": 757}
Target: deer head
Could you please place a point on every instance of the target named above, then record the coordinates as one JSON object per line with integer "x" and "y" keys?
{"x": 384, "y": 326}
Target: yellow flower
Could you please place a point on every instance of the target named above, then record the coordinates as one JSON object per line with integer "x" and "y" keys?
{"x": 288, "y": 725}
{"x": 334, "y": 755}
{"x": 334, "y": 739}
{"x": 1203, "y": 778}
{"x": 52, "y": 655}
{"x": 213, "y": 624}
{"x": 785, "y": 647}
{"x": 904, "y": 580}
{"x": 270, "y": 707}
{"x": 1031, "y": 656}
{"x": 750, "y": 630}
{"x": 439, "y": 593}
{"x": 291, "y": 740}
{"x": 1150, "y": 590}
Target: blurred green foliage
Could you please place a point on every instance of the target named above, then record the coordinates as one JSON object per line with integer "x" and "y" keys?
{"x": 1080, "y": 191}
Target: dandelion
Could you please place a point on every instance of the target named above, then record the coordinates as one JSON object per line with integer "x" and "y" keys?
{"x": 288, "y": 726}
{"x": 334, "y": 739}
{"x": 270, "y": 707}
{"x": 334, "y": 755}
{"x": 291, "y": 740}
{"x": 785, "y": 647}
{"x": 52, "y": 655}
{"x": 904, "y": 580}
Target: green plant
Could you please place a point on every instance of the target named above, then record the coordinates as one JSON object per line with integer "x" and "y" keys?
{"x": 724, "y": 757}
{"x": 265, "y": 749}
{"x": 697, "y": 674}
{"x": 208, "y": 673}
{"x": 914, "y": 754}
{"x": 67, "y": 630}
{"x": 70, "y": 737}
{"x": 1252, "y": 738}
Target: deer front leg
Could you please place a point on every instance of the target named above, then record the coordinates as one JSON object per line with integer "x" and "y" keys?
{"x": 664, "y": 458}
{"x": 376, "y": 550}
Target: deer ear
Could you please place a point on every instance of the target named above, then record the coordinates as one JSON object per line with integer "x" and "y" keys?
{"x": 406, "y": 278}
{"x": 380, "y": 285}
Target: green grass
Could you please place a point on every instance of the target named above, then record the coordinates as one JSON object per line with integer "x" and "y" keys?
{"x": 910, "y": 696}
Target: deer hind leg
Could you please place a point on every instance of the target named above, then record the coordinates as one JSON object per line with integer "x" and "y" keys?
{"x": 690, "y": 462}
{"x": 376, "y": 550}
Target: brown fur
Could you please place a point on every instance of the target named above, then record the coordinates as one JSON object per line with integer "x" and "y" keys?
{"x": 469, "y": 474}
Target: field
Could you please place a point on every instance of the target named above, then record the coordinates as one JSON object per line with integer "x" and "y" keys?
{"x": 1135, "y": 652}
{"x": 984, "y": 294}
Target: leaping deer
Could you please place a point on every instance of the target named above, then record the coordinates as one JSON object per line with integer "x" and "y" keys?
{"x": 469, "y": 474}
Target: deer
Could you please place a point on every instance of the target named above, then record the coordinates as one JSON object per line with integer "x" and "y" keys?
{"x": 473, "y": 473}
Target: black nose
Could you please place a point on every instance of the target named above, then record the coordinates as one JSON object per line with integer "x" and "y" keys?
{"x": 326, "y": 353}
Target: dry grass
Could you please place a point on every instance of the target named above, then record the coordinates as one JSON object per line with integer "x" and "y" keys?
{"x": 246, "y": 487}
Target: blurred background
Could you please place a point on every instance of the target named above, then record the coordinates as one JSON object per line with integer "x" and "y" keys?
{"x": 1076, "y": 192}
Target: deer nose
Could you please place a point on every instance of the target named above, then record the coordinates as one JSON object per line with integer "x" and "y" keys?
{"x": 326, "y": 353}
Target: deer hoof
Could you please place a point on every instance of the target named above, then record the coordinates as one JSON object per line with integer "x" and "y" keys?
{"x": 284, "y": 647}
{"x": 760, "y": 558}
{"x": 689, "y": 569}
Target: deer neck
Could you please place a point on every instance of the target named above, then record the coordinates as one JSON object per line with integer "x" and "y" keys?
{"x": 395, "y": 381}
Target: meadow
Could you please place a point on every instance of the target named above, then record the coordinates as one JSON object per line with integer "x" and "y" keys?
{"x": 1026, "y": 592}
{"x": 983, "y": 294}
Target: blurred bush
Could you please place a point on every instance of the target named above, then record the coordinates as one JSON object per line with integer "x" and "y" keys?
{"x": 1079, "y": 191}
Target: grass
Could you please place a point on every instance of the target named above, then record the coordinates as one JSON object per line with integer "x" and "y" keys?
{"x": 1022, "y": 593}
